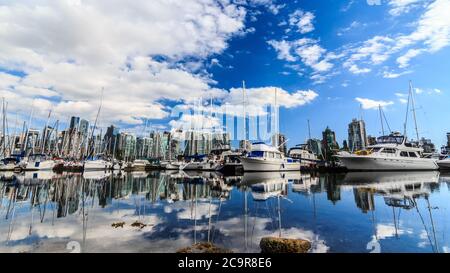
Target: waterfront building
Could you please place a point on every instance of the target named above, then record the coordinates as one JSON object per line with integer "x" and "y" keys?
{"x": 221, "y": 141}
{"x": 427, "y": 145}
{"x": 197, "y": 143}
{"x": 74, "y": 123}
{"x": 329, "y": 143}
{"x": 345, "y": 145}
{"x": 143, "y": 147}
{"x": 111, "y": 138}
{"x": 357, "y": 137}
{"x": 315, "y": 145}
{"x": 84, "y": 127}
{"x": 371, "y": 140}
{"x": 126, "y": 146}
{"x": 279, "y": 140}
{"x": 245, "y": 145}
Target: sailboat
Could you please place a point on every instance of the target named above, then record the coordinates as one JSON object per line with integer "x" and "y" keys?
{"x": 391, "y": 153}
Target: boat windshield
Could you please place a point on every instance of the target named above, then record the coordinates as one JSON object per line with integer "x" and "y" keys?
{"x": 390, "y": 139}
{"x": 256, "y": 154}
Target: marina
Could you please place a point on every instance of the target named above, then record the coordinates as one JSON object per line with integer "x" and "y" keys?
{"x": 354, "y": 212}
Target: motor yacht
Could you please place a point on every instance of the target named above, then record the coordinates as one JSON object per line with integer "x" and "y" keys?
{"x": 391, "y": 153}
{"x": 267, "y": 158}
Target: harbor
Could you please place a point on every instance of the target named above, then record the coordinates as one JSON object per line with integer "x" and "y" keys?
{"x": 167, "y": 211}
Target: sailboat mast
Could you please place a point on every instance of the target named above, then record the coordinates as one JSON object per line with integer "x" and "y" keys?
{"x": 414, "y": 109}
{"x": 4, "y": 128}
{"x": 245, "y": 114}
{"x": 381, "y": 119}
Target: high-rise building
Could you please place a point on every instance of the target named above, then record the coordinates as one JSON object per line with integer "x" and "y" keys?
{"x": 111, "y": 139}
{"x": 74, "y": 123}
{"x": 221, "y": 141}
{"x": 84, "y": 127}
{"x": 197, "y": 143}
{"x": 371, "y": 140}
{"x": 279, "y": 140}
{"x": 245, "y": 145}
{"x": 329, "y": 143}
{"x": 357, "y": 137}
{"x": 427, "y": 145}
{"x": 448, "y": 140}
{"x": 315, "y": 145}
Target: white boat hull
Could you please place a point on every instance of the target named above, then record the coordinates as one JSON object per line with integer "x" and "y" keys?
{"x": 373, "y": 163}
{"x": 45, "y": 165}
{"x": 96, "y": 165}
{"x": 265, "y": 165}
{"x": 444, "y": 164}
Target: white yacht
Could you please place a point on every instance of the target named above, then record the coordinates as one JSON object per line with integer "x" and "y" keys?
{"x": 8, "y": 164}
{"x": 266, "y": 158}
{"x": 37, "y": 162}
{"x": 303, "y": 154}
{"x": 444, "y": 163}
{"x": 391, "y": 153}
{"x": 95, "y": 164}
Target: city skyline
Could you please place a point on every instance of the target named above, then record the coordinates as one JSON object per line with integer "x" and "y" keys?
{"x": 329, "y": 65}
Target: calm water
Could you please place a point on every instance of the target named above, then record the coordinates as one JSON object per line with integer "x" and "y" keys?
{"x": 355, "y": 212}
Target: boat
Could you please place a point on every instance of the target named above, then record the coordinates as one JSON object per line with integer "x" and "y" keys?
{"x": 267, "y": 158}
{"x": 391, "y": 153}
{"x": 9, "y": 163}
{"x": 37, "y": 162}
{"x": 304, "y": 155}
{"x": 137, "y": 165}
{"x": 96, "y": 163}
{"x": 444, "y": 163}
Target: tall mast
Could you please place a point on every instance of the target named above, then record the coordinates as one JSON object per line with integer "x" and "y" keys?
{"x": 413, "y": 109}
{"x": 277, "y": 130}
{"x": 245, "y": 114}
{"x": 4, "y": 128}
{"x": 95, "y": 123}
{"x": 381, "y": 119}
{"x": 309, "y": 136}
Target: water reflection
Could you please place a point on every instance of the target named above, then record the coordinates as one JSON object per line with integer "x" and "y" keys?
{"x": 354, "y": 212}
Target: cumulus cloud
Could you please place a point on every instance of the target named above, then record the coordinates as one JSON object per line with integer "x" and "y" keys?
{"x": 309, "y": 52}
{"x": 431, "y": 33}
{"x": 373, "y": 104}
{"x": 302, "y": 20}
{"x": 399, "y": 7}
{"x": 70, "y": 50}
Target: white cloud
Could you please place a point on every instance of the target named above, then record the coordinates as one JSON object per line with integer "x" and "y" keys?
{"x": 357, "y": 70}
{"x": 70, "y": 50}
{"x": 302, "y": 20}
{"x": 373, "y": 104}
{"x": 393, "y": 75}
{"x": 309, "y": 52}
{"x": 283, "y": 48}
{"x": 431, "y": 33}
{"x": 399, "y": 7}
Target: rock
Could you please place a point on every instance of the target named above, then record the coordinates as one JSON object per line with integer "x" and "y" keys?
{"x": 283, "y": 245}
{"x": 118, "y": 224}
{"x": 138, "y": 224}
{"x": 203, "y": 248}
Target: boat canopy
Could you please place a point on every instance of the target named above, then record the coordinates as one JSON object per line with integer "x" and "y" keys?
{"x": 390, "y": 139}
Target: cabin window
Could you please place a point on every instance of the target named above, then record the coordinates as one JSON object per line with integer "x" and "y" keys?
{"x": 388, "y": 151}
{"x": 375, "y": 150}
{"x": 256, "y": 154}
{"x": 271, "y": 155}
{"x": 277, "y": 155}
{"x": 412, "y": 154}
{"x": 404, "y": 154}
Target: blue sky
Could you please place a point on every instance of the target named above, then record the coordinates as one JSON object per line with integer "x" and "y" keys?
{"x": 328, "y": 58}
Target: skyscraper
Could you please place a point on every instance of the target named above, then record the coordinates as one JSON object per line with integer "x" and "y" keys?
{"x": 84, "y": 127}
{"x": 357, "y": 137}
{"x": 329, "y": 143}
{"x": 74, "y": 123}
{"x": 279, "y": 140}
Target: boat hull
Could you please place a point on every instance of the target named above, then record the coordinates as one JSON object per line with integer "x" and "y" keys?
{"x": 264, "y": 165}
{"x": 370, "y": 163}
{"x": 444, "y": 164}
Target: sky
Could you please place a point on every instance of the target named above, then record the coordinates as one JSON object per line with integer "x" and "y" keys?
{"x": 330, "y": 61}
